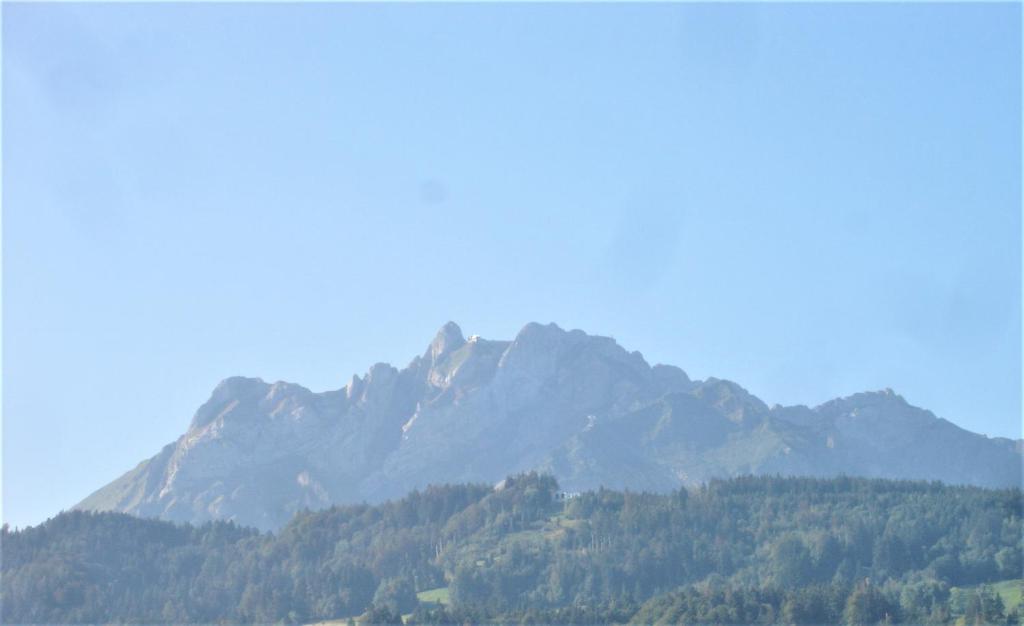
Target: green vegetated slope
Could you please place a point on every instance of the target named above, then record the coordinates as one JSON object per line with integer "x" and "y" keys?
{"x": 1011, "y": 591}
{"x": 746, "y": 550}
{"x": 434, "y": 596}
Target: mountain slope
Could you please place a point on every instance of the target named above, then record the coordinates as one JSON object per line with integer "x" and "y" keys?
{"x": 576, "y": 405}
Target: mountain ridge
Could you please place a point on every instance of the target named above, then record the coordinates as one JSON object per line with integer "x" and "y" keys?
{"x": 579, "y": 406}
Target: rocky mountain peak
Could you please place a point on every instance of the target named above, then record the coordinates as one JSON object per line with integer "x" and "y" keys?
{"x": 735, "y": 402}
{"x": 579, "y": 406}
{"x": 866, "y": 400}
{"x": 229, "y": 393}
{"x": 354, "y": 388}
{"x": 670, "y": 377}
{"x": 379, "y": 383}
{"x": 448, "y": 339}
{"x": 535, "y": 347}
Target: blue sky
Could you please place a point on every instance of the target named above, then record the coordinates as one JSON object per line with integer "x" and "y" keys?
{"x": 812, "y": 200}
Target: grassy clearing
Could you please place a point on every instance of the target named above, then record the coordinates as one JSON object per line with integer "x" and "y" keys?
{"x": 1010, "y": 591}
{"x": 437, "y": 596}
{"x": 430, "y": 596}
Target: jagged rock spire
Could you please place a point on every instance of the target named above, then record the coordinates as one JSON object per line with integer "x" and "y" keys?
{"x": 449, "y": 338}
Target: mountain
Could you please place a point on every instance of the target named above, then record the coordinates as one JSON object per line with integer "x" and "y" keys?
{"x": 577, "y": 406}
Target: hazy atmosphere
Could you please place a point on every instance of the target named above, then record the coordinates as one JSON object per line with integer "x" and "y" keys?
{"x": 811, "y": 200}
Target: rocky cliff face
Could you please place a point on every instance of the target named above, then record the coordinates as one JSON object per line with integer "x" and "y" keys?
{"x": 576, "y": 405}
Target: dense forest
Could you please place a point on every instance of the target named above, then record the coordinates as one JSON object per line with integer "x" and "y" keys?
{"x": 746, "y": 550}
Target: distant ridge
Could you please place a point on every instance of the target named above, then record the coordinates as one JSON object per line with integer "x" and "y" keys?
{"x": 576, "y": 405}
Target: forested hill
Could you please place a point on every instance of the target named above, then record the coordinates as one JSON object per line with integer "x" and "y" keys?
{"x": 743, "y": 550}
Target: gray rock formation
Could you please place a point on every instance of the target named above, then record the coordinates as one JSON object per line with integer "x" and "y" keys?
{"x": 578, "y": 406}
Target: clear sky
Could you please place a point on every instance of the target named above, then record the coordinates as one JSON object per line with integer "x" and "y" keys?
{"x": 812, "y": 200}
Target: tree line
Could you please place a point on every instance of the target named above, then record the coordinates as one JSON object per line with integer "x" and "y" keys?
{"x": 745, "y": 550}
